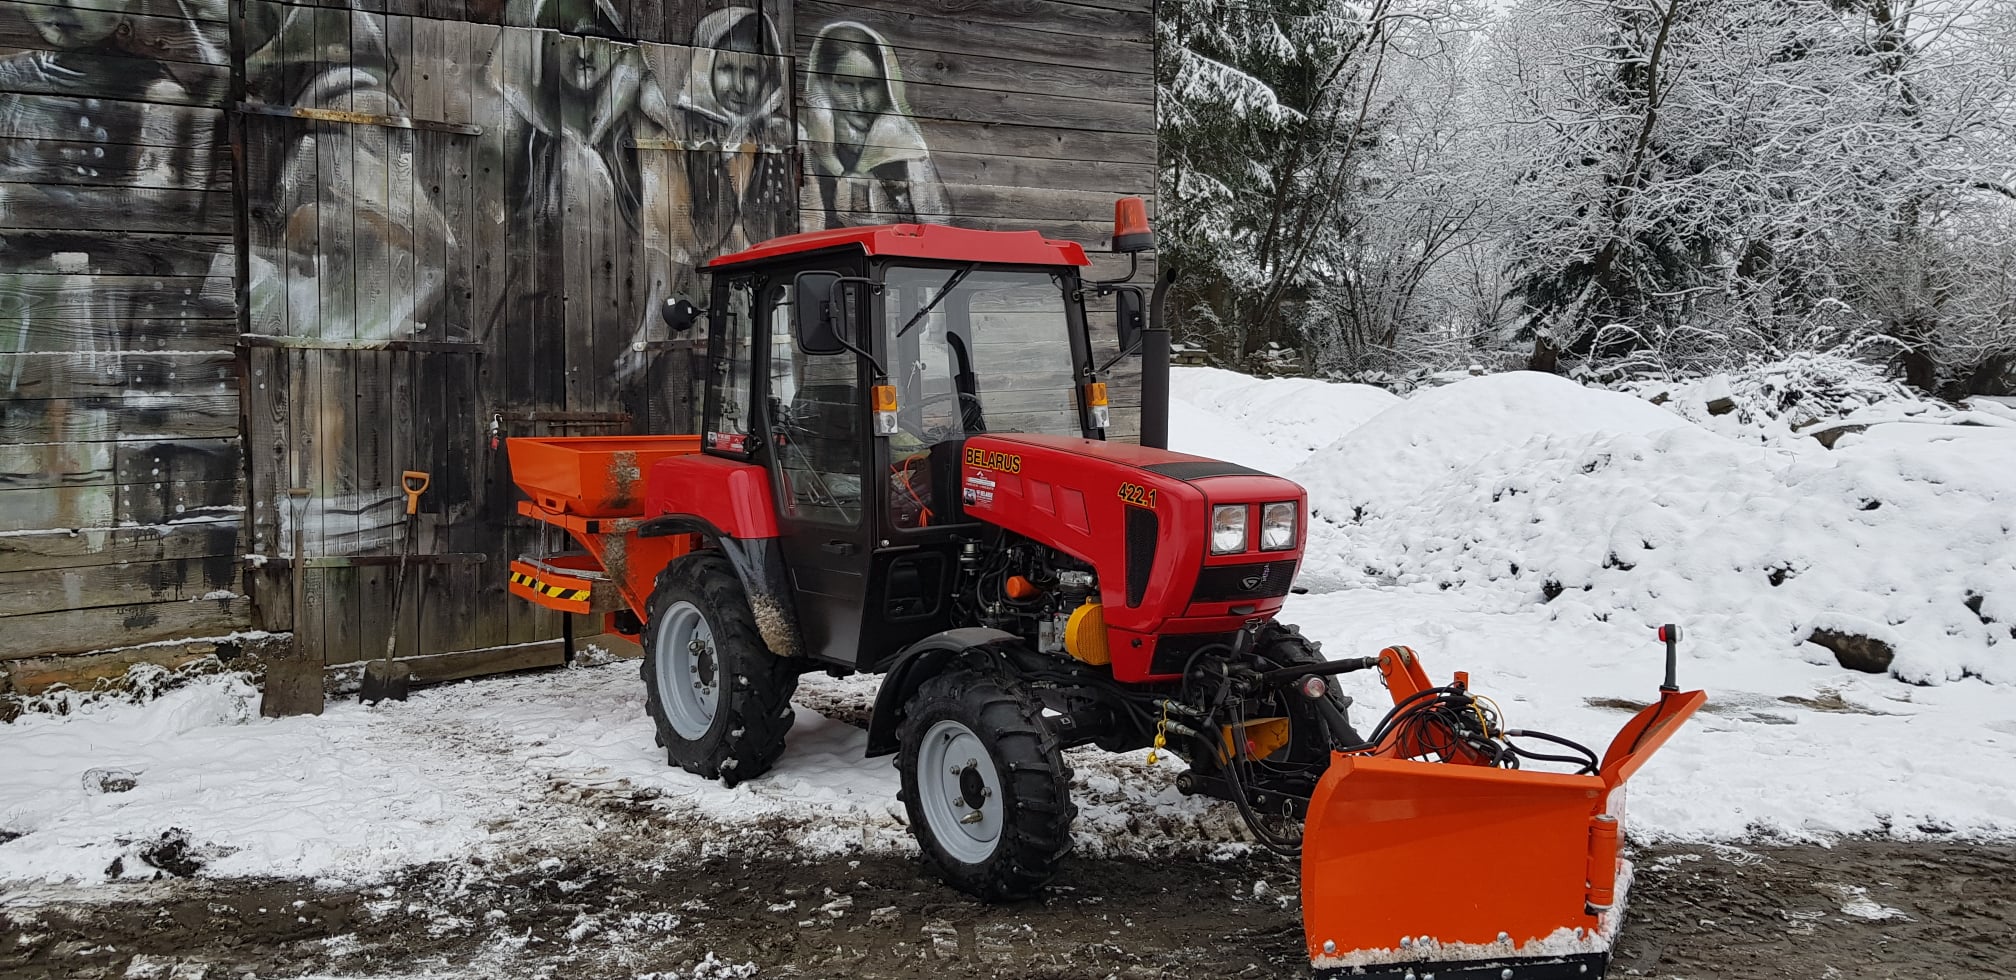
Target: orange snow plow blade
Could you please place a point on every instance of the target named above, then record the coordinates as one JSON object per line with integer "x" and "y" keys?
{"x": 1463, "y": 871}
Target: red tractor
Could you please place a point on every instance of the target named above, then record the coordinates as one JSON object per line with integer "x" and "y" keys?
{"x": 902, "y": 468}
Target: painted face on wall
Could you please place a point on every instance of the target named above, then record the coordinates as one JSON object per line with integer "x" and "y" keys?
{"x": 741, "y": 81}
{"x": 860, "y": 92}
{"x": 68, "y": 24}
{"x": 585, "y": 61}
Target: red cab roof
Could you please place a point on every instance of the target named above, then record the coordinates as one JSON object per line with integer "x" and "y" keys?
{"x": 921, "y": 242}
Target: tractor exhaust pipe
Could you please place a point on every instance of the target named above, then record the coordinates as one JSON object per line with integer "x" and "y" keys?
{"x": 1155, "y": 367}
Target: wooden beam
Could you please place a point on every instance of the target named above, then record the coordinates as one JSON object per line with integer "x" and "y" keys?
{"x": 123, "y": 584}
{"x": 113, "y": 505}
{"x": 77, "y": 630}
{"x": 60, "y": 548}
{"x": 1088, "y": 112}
{"x": 143, "y": 209}
{"x": 118, "y": 420}
{"x": 50, "y": 374}
{"x": 69, "y": 335}
{"x": 124, "y": 253}
{"x": 1005, "y": 35}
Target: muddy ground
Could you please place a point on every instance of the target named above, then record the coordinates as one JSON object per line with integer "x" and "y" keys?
{"x": 1857, "y": 910}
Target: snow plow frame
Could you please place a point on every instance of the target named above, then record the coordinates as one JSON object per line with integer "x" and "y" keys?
{"x": 1534, "y": 886}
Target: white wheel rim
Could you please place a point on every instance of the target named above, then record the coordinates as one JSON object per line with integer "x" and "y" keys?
{"x": 959, "y": 790}
{"x": 688, "y": 667}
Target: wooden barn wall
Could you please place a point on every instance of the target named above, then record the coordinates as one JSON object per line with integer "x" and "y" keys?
{"x": 447, "y": 222}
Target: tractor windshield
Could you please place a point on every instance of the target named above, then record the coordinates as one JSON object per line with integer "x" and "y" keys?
{"x": 991, "y": 353}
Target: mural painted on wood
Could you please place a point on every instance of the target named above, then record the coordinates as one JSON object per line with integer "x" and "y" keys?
{"x": 453, "y": 232}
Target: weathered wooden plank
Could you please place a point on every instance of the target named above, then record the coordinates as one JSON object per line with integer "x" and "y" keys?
{"x": 1040, "y": 142}
{"x": 1069, "y": 18}
{"x": 78, "y": 630}
{"x": 1030, "y": 204}
{"x": 89, "y": 373}
{"x": 190, "y": 139}
{"x": 116, "y": 253}
{"x": 87, "y": 163}
{"x": 100, "y": 297}
{"x": 70, "y": 335}
{"x": 143, "y": 209}
{"x": 189, "y": 541}
{"x": 85, "y": 671}
{"x": 201, "y": 13}
{"x": 123, "y": 82}
{"x": 1005, "y": 38}
{"x": 108, "y": 505}
{"x": 56, "y": 464}
{"x": 128, "y": 583}
{"x": 1091, "y": 234}
{"x": 977, "y": 69}
{"x": 981, "y": 105}
{"x": 268, "y": 375}
{"x": 101, "y": 419}
{"x": 441, "y": 667}
{"x": 173, "y": 39}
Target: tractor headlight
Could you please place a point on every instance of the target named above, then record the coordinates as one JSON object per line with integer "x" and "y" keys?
{"x": 1277, "y": 526}
{"x": 1228, "y": 529}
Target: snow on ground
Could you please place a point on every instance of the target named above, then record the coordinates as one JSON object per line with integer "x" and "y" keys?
{"x": 487, "y": 769}
{"x": 1446, "y": 521}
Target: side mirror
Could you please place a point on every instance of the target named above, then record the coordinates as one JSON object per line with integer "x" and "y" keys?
{"x": 1128, "y": 318}
{"x": 821, "y": 311}
{"x": 680, "y": 314}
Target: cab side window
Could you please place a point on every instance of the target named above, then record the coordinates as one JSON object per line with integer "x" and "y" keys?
{"x": 731, "y": 346}
{"x": 817, "y": 422}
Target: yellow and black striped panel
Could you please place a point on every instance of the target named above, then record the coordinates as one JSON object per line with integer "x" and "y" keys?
{"x": 562, "y": 592}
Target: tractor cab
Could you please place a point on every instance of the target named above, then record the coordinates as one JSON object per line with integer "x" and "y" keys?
{"x": 854, "y": 365}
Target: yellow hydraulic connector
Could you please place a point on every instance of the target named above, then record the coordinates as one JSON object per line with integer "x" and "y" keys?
{"x": 1085, "y": 635}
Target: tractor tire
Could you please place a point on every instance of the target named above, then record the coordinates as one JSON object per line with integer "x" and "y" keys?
{"x": 984, "y": 783}
{"x": 720, "y": 699}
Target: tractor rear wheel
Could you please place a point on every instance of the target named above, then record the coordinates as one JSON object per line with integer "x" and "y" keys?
{"x": 720, "y": 699}
{"x": 984, "y": 783}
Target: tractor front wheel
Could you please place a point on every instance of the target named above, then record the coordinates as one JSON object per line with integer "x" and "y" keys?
{"x": 720, "y": 698}
{"x": 985, "y": 784}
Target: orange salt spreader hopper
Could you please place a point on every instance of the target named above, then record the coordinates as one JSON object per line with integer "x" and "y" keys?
{"x": 1460, "y": 868}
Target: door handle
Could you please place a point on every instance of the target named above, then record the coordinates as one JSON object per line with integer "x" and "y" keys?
{"x": 837, "y": 547}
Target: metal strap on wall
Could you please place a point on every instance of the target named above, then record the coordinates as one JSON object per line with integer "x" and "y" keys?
{"x": 355, "y": 118}
{"x": 328, "y": 343}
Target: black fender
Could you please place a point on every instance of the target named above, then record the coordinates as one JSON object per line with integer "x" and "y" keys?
{"x": 917, "y": 663}
{"x": 759, "y": 563}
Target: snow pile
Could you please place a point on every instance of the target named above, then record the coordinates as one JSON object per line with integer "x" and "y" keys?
{"x": 1790, "y": 398}
{"x": 1527, "y": 489}
{"x": 1269, "y": 424}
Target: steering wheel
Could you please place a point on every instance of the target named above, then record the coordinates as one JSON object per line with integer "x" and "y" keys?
{"x": 970, "y": 418}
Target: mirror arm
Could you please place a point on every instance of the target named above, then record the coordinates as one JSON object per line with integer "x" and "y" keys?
{"x": 1133, "y": 267}
{"x": 873, "y": 287}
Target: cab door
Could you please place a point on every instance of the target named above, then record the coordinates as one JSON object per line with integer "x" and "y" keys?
{"x": 816, "y": 439}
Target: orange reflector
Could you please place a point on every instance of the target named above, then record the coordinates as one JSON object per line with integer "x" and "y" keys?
{"x": 1020, "y": 588}
{"x": 885, "y": 398}
{"x": 1095, "y": 394}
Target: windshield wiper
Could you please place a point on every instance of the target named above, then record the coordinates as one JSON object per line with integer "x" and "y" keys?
{"x": 951, "y": 283}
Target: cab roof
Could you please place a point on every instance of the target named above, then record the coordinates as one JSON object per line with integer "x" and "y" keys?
{"x": 920, "y": 241}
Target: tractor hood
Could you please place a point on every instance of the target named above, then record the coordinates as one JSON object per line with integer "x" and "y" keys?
{"x": 1143, "y": 518}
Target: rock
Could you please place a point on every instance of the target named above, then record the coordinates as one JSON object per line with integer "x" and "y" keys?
{"x": 110, "y": 780}
{"x": 1856, "y": 652}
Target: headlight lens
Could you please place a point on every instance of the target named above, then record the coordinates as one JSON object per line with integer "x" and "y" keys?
{"x": 1228, "y": 529}
{"x": 1277, "y": 526}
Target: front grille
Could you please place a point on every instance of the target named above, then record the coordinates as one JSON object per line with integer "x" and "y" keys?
{"x": 1238, "y": 583}
{"x": 1143, "y": 528}
{"x": 1173, "y": 652}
